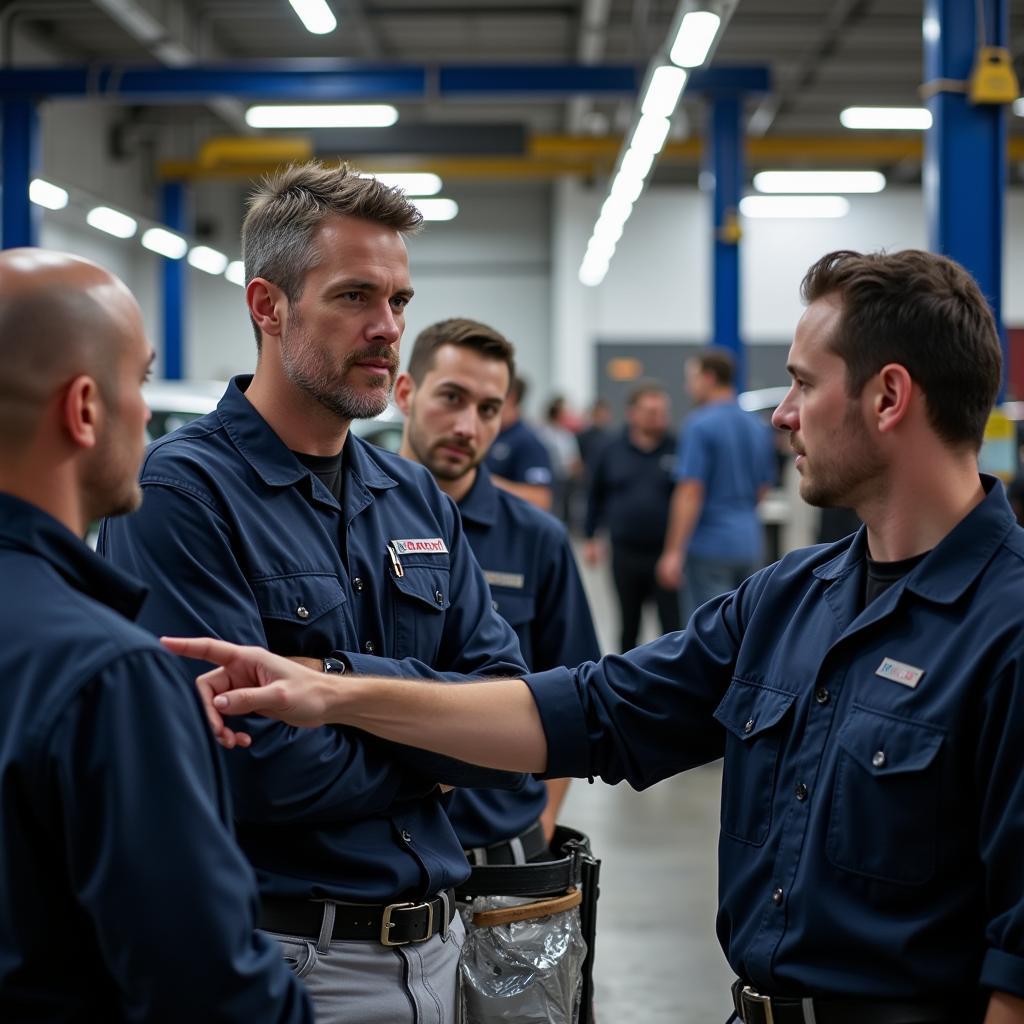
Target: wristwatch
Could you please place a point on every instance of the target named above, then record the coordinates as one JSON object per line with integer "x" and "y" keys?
{"x": 335, "y": 665}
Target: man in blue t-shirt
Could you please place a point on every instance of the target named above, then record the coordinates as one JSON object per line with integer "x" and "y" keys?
{"x": 725, "y": 464}
{"x": 518, "y": 461}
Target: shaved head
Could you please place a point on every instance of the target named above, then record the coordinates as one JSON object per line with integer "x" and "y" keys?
{"x": 60, "y": 317}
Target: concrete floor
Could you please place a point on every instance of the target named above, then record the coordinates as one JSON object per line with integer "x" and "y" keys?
{"x": 657, "y": 960}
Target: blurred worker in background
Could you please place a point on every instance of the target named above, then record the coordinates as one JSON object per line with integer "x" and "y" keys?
{"x": 594, "y": 436}
{"x": 628, "y": 498}
{"x": 564, "y": 453}
{"x": 123, "y": 896}
{"x": 518, "y": 461}
{"x": 725, "y": 464}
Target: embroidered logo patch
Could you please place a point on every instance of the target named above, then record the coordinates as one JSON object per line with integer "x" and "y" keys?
{"x": 512, "y": 580}
{"x": 420, "y": 546}
{"x": 898, "y": 672}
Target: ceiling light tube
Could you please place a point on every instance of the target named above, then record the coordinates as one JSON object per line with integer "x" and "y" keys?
{"x": 165, "y": 243}
{"x": 886, "y": 118}
{"x": 437, "y": 209}
{"x": 616, "y": 208}
{"x": 607, "y": 229}
{"x": 694, "y": 39}
{"x": 46, "y": 194}
{"x": 663, "y": 91}
{"x": 626, "y": 187}
{"x": 202, "y": 257}
{"x": 113, "y": 222}
{"x": 636, "y": 164}
{"x": 322, "y": 115}
{"x": 600, "y": 249}
{"x": 315, "y": 15}
{"x": 235, "y": 272}
{"x": 819, "y": 181}
{"x": 798, "y": 207}
{"x": 412, "y": 184}
{"x": 650, "y": 135}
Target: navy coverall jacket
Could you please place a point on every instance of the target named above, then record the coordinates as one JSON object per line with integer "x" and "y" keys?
{"x": 872, "y": 833}
{"x": 123, "y": 896}
{"x": 535, "y": 586}
{"x": 237, "y": 539}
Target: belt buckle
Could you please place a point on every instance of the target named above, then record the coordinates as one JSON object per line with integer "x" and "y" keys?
{"x": 750, "y": 995}
{"x": 386, "y": 923}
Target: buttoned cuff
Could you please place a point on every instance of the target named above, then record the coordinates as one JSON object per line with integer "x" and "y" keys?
{"x": 1003, "y": 972}
{"x": 370, "y": 664}
{"x": 564, "y": 721}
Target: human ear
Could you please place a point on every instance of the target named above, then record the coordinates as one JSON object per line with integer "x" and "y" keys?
{"x": 403, "y": 391}
{"x": 81, "y": 411}
{"x": 267, "y": 304}
{"x": 891, "y": 400}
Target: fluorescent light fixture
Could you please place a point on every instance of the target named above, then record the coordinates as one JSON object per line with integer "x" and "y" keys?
{"x": 600, "y": 249}
{"x": 43, "y": 193}
{"x": 886, "y": 118}
{"x": 650, "y": 134}
{"x": 794, "y": 206}
{"x": 819, "y": 181}
{"x": 235, "y": 273}
{"x": 202, "y": 257}
{"x": 663, "y": 91}
{"x": 165, "y": 243}
{"x": 437, "y": 209}
{"x": 412, "y": 184}
{"x": 607, "y": 231}
{"x": 322, "y": 115}
{"x": 592, "y": 272}
{"x": 103, "y": 218}
{"x": 627, "y": 187}
{"x": 616, "y": 208}
{"x": 636, "y": 164}
{"x": 315, "y": 15}
{"x": 1018, "y": 107}
{"x": 693, "y": 41}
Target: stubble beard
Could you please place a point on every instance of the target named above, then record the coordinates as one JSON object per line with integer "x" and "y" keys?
{"x": 840, "y": 480}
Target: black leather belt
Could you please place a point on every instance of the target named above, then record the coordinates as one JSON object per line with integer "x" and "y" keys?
{"x": 396, "y": 924}
{"x": 754, "y": 1008}
{"x": 532, "y": 843}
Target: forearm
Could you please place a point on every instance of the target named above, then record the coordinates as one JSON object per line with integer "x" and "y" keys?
{"x": 495, "y": 724}
{"x": 1005, "y": 1009}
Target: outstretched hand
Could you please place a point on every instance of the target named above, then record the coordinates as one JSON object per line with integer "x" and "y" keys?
{"x": 251, "y": 680}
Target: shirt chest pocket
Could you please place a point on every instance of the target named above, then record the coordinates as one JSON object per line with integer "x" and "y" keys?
{"x": 302, "y": 613}
{"x": 884, "y": 820}
{"x": 420, "y": 599}
{"x": 753, "y": 717}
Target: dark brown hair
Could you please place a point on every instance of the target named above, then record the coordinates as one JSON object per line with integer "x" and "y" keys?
{"x": 720, "y": 363}
{"x": 462, "y": 333}
{"x": 924, "y": 312}
{"x": 287, "y": 208}
{"x": 643, "y": 389}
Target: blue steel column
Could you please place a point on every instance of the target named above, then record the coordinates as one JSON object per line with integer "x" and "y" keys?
{"x": 725, "y": 162}
{"x": 965, "y": 149}
{"x": 20, "y": 153}
{"x": 175, "y": 215}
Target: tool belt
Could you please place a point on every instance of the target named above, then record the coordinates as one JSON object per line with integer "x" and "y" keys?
{"x": 392, "y": 924}
{"x": 530, "y": 845}
{"x": 754, "y": 1008}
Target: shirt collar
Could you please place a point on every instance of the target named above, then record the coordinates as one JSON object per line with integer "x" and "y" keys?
{"x": 269, "y": 455}
{"x": 26, "y": 527}
{"x": 956, "y": 561}
{"x": 480, "y": 505}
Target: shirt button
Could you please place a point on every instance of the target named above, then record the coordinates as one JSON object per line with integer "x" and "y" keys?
{"x": 749, "y": 727}
{"x": 302, "y": 611}
{"x": 406, "y": 836}
{"x": 879, "y": 759}
{"x": 357, "y": 583}
{"x": 822, "y": 696}
{"x": 801, "y": 791}
{"x": 777, "y": 897}
{"x": 438, "y": 597}
{"x": 494, "y": 605}
{"x": 369, "y": 647}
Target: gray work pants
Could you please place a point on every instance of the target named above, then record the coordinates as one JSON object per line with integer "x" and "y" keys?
{"x": 363, "y": 982}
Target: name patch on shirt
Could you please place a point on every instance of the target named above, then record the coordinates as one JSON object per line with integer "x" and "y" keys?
{"x": 512, "y": 580}
{"x": 898, "y": 672}
{"x": 420, "y": 546}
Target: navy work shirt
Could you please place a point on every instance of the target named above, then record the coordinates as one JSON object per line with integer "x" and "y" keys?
{"x": 519, "y": 455}
{"x": 123, "y": 896}
{"x": 872, "y": 829}
{"x": 237, "y": 539}
{"x": 630, "y": 493}
{"x": 536, "y": 588}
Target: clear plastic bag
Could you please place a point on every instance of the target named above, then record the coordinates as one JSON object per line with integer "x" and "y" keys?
{"x": 523, "y": 972}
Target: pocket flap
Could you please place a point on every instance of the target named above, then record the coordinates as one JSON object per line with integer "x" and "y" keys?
{"x": 748, "y": 710}
{"x": 884, "y": 745}
{"x": 515, "y": 607}
{"x": 426, "y": 585}
{"x": 299, "y": 598}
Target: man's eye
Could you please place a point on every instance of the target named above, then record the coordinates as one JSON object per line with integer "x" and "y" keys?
{"x": 400, "y": 302}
